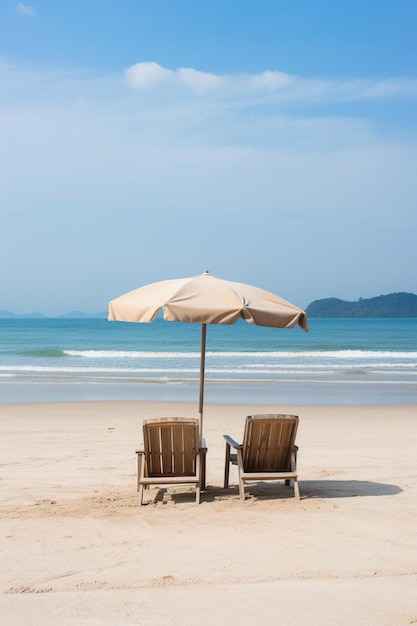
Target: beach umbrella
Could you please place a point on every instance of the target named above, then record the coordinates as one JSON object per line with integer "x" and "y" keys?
{"x": 205, "y": 299}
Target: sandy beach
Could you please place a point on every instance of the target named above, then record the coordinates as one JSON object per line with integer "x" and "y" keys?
{"x": 78, "y": 549}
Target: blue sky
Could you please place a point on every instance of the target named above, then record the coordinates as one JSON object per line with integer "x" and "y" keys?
{"x": 145, "y": 140}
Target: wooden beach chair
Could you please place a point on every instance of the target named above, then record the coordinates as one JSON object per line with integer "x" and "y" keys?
{"x": 268, "y": 451}
{"x": 172, "y": 454}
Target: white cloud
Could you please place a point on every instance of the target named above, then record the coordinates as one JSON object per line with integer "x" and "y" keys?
{"x": 150, "y": 74}
{"x": 390, "y": 88}
{"x": 272, "y": 86}
{"x": 146, "y": 75}
{"x": 199, "y": 81}
{"x": 25, "y": 9}
{"x": 272, "y": 80}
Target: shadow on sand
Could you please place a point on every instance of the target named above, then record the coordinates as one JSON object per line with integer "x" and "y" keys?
{"x": 346, "y": 489}
{"x": 309, "y": 489}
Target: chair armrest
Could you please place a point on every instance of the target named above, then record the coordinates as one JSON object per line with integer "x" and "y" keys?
{"x": 233, "y": 443}
{"x": 140, "y": 451}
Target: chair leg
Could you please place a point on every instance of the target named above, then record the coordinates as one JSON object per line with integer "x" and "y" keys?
{"x": 139, "y": 470}
{"x": 226, "y": 466}
{"x": 296, "y": 489}
{"x": 241, "y": 489}
{"x": 141, "y": 475}
{"x": 203, "y": 471}
{"x": 240, "y": 472}
{"x": 200, "y": 475}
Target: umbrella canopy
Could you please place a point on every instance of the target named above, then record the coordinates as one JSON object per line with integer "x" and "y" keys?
{"x": 205, "y": 299}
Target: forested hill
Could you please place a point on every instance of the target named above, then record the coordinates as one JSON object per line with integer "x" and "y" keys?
{"x": 391, "y": 305}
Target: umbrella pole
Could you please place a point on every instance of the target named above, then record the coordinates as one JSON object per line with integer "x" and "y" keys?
{"x": 201, "y": 403}
{"x": 202, "y": 366}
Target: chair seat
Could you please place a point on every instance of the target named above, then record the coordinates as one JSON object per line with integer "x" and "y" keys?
{"x": 170, "y": 480}
{"x": 257, "y": 476}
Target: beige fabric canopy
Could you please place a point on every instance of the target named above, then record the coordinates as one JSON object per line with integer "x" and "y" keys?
{"x": 205, "y": 299}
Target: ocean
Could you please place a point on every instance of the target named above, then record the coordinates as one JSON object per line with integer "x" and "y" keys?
{"x": 340, "y": 361}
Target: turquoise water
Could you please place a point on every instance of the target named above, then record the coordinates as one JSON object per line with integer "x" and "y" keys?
{"x": 340, "y": 361}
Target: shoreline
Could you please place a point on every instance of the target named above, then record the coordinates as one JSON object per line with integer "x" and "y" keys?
{"x": 78, "y": 548}
{"x": 326, "y": 393}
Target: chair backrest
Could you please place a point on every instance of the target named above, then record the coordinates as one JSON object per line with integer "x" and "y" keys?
{"x": 268, "y": 441}
{"x": 171, "y": 446}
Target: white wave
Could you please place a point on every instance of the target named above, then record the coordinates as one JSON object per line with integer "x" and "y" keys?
{"x": 327, "y": 366}
{"x": 223, "y": 371}
{"x": 319, "y": 354}
{"x": 127, "y": 354}
{"x": 86, "y": 370}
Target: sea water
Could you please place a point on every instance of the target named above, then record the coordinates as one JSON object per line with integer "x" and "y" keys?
{"x": 340, "y": 361}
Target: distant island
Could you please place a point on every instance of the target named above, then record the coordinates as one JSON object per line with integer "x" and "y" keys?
{"x": 392, "y": 305}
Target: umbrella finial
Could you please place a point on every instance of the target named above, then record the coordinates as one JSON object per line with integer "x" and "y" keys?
{"x": 206, "y": 272}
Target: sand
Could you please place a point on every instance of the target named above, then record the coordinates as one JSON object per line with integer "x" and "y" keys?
{"x": 76, "y": 547}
